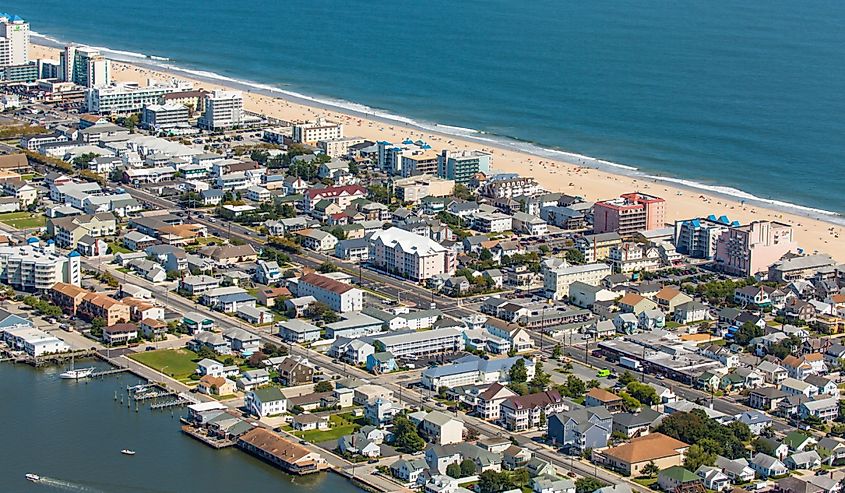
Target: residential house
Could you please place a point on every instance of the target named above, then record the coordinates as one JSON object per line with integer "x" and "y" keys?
{"x": 524, "y": 412}
{"x": 630, "y": 458}
{"x": 442, "y": 429}
{"x": 266, "y": 401}
{"x": 677, "y": 478}
{"x": 295, "y": 371}
{"x": 580, "y": 429}
{"x": 767, "y": 466}
{"x": 600, "y": 397}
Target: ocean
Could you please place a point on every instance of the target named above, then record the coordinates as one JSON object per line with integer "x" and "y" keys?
{"x": 71, "y": 434}
{"x": 742, "y": 98}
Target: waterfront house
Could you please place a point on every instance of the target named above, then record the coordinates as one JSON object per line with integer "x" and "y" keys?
{"x": 265, "y": 401}
{"x": 120, "y": 333}
{"x": 219, "y": 386}
{"x": 408, "y": 470}
{"x": 289, "y": 456}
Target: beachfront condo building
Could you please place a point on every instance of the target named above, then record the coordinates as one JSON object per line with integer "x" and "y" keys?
{"x": 410, "y": 255}
{"x": 313, "y": 132}
{"x": 84, "y": 66}
{"x": 463, "y": 165}
{"x": 697, "y": 237}
{"x": 410, "y": 158}
{"x": 223, "y": 110}
{"x": 165, "y": 116}
{"x": 123, "y": 98}
{"x": 14, "y": 40}
{"x": 753, "y": 248}
{"x": 628, "y": 214}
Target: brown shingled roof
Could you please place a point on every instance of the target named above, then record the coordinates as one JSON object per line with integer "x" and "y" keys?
{"x": 326, "y": 283}
{"x": 650, "y": 447}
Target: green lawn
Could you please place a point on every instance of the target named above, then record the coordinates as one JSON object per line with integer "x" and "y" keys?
{"x": 341, "y": 424}
{"x": 116, "y": 248}
{"x": 176, "y": 363}
{"x": 23, "y": 220}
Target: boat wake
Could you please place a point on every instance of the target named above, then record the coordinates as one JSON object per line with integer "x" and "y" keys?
{"x": 67, "y": 485}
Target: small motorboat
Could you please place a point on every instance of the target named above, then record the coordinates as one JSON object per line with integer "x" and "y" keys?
{"x": 77, "y": 374}
{"x": 126, "y": 451}
{"x": 33, "y": 477}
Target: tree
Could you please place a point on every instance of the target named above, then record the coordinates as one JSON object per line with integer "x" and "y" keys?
{"x": 205, "y": 352}
{"x": 519, "y": 478}
{"x": 574, "y": 387}
{"x": 493, "y": 482}
{"x": 518, "y": 373}
{"x": 543, "y": 418}
{"x": 697, "y": 457}
{"x": 541, "y": 379}
{"x": 626, "y": 378}
{"x": 695, "y": 427}
{"x": 651, "y": 469}
{"x": 453, "y": 470}
{"x": 255, "y": 359}
{"x": 467, "y": 468}
{"x": 327, "y": 267}
{"x": 574, "y": 256}
{"x": 557, "y": 352}
{"x": 338, "y": 233}
{"x": 323, "y": 386}
{"x": 643, "y": 392}
{"x": 629, "y": 403}
{"x": 405, "y": 434}
{"x": 747, "y": 332}
{"x": 462, "y": 192}
{"x": 320, "y": 310}
{"x": 593, "y": 384}
{"x": 588, "y": 485}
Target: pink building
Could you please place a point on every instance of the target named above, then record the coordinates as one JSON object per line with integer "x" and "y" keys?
{"x": 629, "y": 213}
{"x": 748, "y": 250}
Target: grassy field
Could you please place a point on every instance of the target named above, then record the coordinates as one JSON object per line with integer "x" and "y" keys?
{"x": 23, "y": 220}
{"x": 176, "y": 363}
{"x": 341, "y": 424}
{"x": 116, "y": 248}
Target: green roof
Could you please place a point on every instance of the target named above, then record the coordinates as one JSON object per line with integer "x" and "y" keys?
{"x": 794, "y": 439}
{"x": 680, "y": 474}
{"x": 269, "y": 393}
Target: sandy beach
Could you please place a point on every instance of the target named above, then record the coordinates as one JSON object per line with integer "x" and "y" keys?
{"x": 574, "y": 177}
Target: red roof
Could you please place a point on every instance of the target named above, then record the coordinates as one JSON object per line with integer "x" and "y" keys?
{"x": 330, "y": 192}
{"x": 326, "y": 283}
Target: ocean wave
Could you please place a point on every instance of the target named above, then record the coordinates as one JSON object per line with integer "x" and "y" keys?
{"x": 742, "y": 195}
{"x": 120, "y": 55}
{"x": 471, "y": 134}
{"x": 458, "y": 130}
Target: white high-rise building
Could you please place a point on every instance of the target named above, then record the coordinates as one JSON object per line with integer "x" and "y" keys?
{"x": 14, "y": 40}
{"x": 313, "y": 132}
{"x": 223, "y": 109}
{"x": 33, "y": 267}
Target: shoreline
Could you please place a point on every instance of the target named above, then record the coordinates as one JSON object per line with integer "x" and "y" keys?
{"x": 556, "y": 170}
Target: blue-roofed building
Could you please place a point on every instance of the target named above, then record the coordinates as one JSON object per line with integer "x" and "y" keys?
{"x": 472, "y": 370}
{"x": 697, "y": 237}
{"x": 230, "y": 303}
{"x": 11, "y": 321}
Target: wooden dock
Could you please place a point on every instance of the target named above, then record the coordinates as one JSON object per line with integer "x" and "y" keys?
{"x": 108, "y": 372}
{"x": 204, "y": 438}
